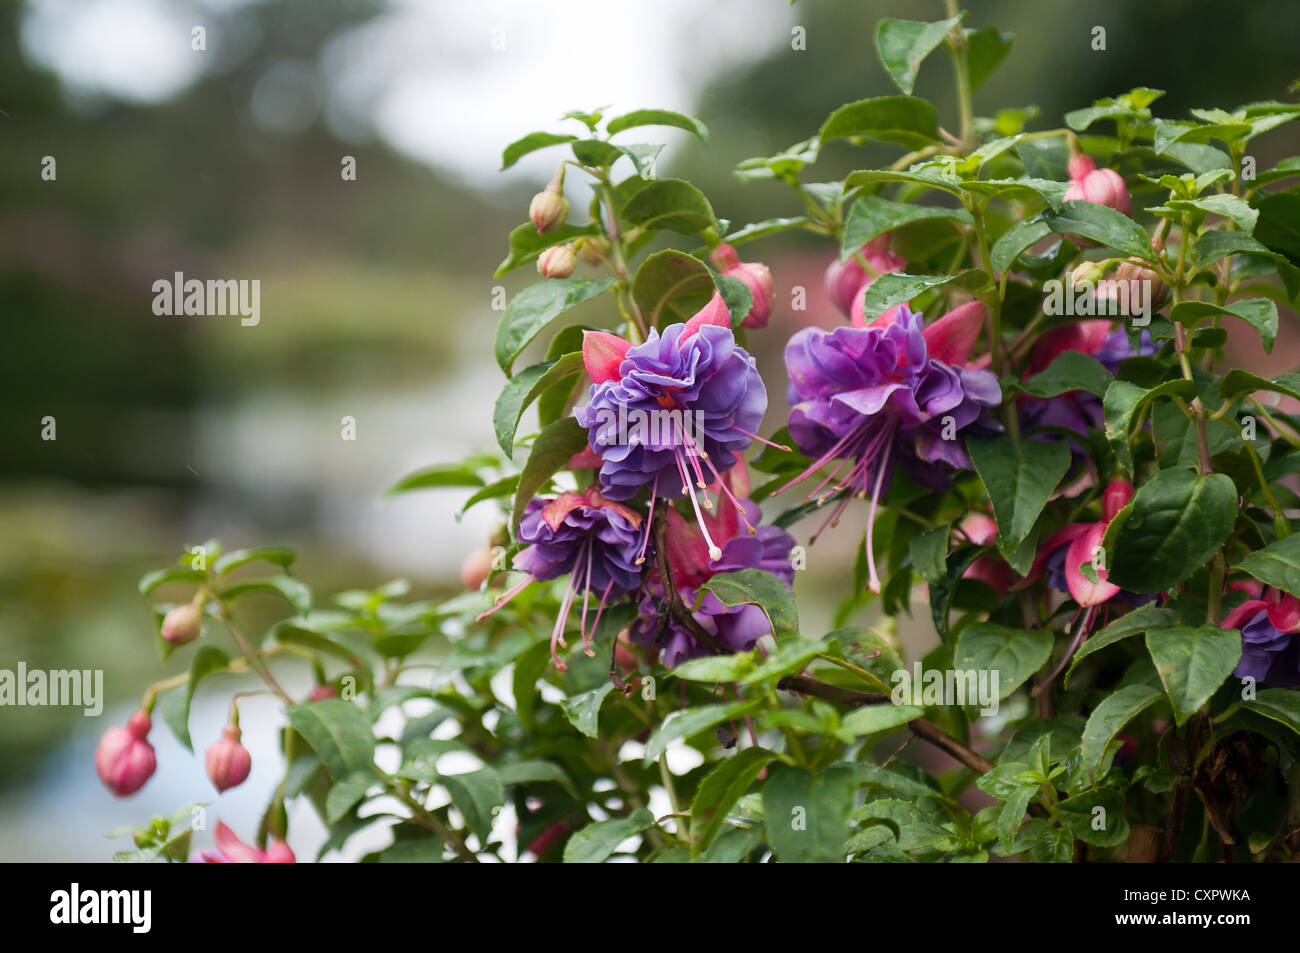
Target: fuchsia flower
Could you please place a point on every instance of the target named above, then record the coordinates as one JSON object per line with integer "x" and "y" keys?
{"x": 846, "y": 282}
{"x": 1099, "y": 186}
{"x": 231, "y": 850}
{"x": 183, "y": 623}
{"x": 692, "y": 562}
{"x": 587, "y": 537}
{"x": 990, "y": 568}
{"x": 662, "y": 413}
{"x": 880, "y": 396}
{"x": 1079, "y": 544}
{"x": 1270, "y": 652}
{"x": 757, "y": 278}
{"x": 124, "y": 759}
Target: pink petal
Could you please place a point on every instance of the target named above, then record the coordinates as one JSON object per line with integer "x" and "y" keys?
{"x": 1285, "y": 615}
{"x": 1243, "y": 613}
{"x": 1081, "y": 551}
{"x": 1115, "y": 498}
{"x": 951, "y": 338}
{"x": 715, "y": 312}
{"x": 602, "y": 355}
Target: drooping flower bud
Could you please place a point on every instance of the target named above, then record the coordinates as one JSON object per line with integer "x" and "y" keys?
{"x": 124, "y": 759}
{"x": 228, "y": 762}
{"x": 1132, "y": 271}
{"x": 1099, "y": 186}
{"x": 1087, "y": 273}
{"x": 757, "y": 278}
{"x": 549, "y": 208}
{"x": 845, "y": 280}
{"x": 183, "y": 623}
{"x": 558, "y": 261}
{"x": 322, "y": 692}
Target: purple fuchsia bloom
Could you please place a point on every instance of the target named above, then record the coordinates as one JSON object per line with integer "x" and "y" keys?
{"x": 745, "y": 545}
{"x": 1270, "y": 652}
{"x": 878, "y": 396}
{"x": 662, "y": 412}
{"x": 595, "y": 542}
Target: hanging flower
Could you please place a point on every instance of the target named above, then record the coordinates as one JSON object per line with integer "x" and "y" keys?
{"x": 231, "y": 850}
{"x": 1270, "y": 652}
{"x": 878, "y": 397}
{"x": 664, "y": 413}
{"x": 597, "y": 543}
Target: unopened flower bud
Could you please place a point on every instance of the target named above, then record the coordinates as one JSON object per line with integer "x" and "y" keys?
{"x": 757, "y": 278}
{"x": 476, "y": 567}
{"x": 1087, "y": 273}
{"x": 549, "y": 208}
{"x": 1099, "y": 186}
{"x": 321, "y": 692}
{"x": 1132, "y": 271}
{"x": 1115, "y": 497}
{"x": 183, "y": 623}
{"x": 558, "y": 261}
{"x": 228, "y": 762}
{"x": 124, "y": 759}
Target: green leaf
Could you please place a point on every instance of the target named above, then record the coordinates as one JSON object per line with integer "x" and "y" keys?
{"x": 1279, "y": 704}
{"x": 1020, "y": 479}
{"x": 597, "y": 841}
{"x": 872, "y": 215}
{"x": 1229, "y": 206}
{"x": 761, "y": 588}
{"x": 1015, "y": 240}
{"x": 339, "y": 733}
{"x": 537, "y": 306}
{"x": 1193, "y": 663}
{"x": 671, "y": 286}
{"x": 1172, "y": 527}
{"x": 175, "y": 704}
{"x": 345, "y": 794}
{"x": 527, "y": 243}
{"x": 889, "y": 290}
{"x": 531, "y": 143}
{"x": 525, "y": 387}
{"x": 1277, "y": 564}
{"x": 152, "y": 580}
{"x": 903, "y": 44}
{"x": 1015, "y": 654}
{"x": 929, "y": 551}
{"x": 904, "y": 120}
{"x": 241, "y": 557}
{"x": 869, "y": 719}
{"x": 1121, "y": 403}
{"x": 985, "y": 49}
{"x": 1101, "y": 224}
{"x": 1108, "y": 829}
{"x": 719, "y": 790}
{"x": 296, "y": 592}
{"x": 584, "y": 709}
{"x": 1071, "y": 370}
{"x": 688, "y": 722}
{"x": 1259, "y": 313}
{"x": 439, "y": 475}
{"x": 659, "y": 117}
{"x": 1141, "y": 619}
{"x": 475, "y": 795}
{"x": 807, "y": 816}
{"x": 716, "y": 668}
{"x": 788, "y": 659}
{"x": 672, "y": 204}
{"x": 770, "y": 226}
{"x": 534, "y": 771}
{"x": 1106, "y": 720}
{"x": 551, "y": 452}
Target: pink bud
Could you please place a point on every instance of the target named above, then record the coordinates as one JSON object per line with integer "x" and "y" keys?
{"x": 558, "y": 261}
{"x": 858, "y": 312}
{"x": 715, "y": 313}
{"x": 228, "y": 762}
{"x": 1115, "y": 498}
{"x": 124, "y": 759}
{"x": 1101, "y": 187}
{"x": 322, "y": 692}
{"x": 183, "y": 623}
{"x": 476, "y": 567}
{"x": 602, "y": 355}
{"x": 951, "y": 338}
{"x": 979, "y": 528}
{"x": 548, "y": 209}
{"x": 757, "y": 278}
{"x": 1080, "y": 166}
{"x": 845, "y": 280}
{"x": 279, "y": 853}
